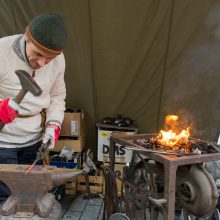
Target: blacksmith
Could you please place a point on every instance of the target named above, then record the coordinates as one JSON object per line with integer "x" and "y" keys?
{"x": 39, "y": 51}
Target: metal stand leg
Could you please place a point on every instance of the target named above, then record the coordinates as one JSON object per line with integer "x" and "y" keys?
{"x": 169, "y": 191}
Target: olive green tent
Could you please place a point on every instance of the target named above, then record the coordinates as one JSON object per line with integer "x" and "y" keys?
{"x": 140, "y": 58}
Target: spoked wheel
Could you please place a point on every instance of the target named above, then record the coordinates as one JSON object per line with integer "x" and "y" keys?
{"x": 144, "y": 179}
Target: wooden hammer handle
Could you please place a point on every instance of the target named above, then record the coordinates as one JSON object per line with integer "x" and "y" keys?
{"x": 1, "y": 125}
{"x": 18, "y": 100}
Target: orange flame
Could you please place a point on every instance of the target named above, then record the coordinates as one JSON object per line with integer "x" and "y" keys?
{"x": 172, "y": 135}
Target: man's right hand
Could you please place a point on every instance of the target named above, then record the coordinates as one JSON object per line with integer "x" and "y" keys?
{"x": 8, "y": 110}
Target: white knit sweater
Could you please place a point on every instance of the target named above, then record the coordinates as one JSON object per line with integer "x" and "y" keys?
{"x": 26, "y": 131}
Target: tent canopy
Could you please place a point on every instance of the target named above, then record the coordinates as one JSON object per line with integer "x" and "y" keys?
{"x": 142, "y": 59}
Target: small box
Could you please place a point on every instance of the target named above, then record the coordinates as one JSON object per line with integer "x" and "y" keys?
{"x": 70, "y": 186}
{"x": 73, "y": 124}
{"x": 76, "y": 144}
{"x": 59, "y": 160}
{"x": 121, "y": 155}
{"x": 95, "y": 183}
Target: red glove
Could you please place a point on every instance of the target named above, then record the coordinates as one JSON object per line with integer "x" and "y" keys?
{"x": 51, "y": 134}
{"x": 8, "y": 110}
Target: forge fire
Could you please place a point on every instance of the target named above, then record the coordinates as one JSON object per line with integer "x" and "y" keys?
{"x": 175, "y": 137}
{"x": 173, "y": 134}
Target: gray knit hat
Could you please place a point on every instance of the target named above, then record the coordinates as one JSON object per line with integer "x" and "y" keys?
{"x": 48, "y": 32}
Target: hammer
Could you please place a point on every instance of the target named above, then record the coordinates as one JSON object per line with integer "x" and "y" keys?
{"x": 28, "y": 84}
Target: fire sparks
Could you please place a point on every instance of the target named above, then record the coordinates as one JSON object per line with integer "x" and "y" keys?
{"x": 172, "y": 135}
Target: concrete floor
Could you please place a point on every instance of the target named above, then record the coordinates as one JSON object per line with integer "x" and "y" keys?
{"x": 79, "y": 208}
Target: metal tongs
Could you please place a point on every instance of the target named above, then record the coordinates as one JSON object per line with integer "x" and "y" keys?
{"x": 40, "y": 155}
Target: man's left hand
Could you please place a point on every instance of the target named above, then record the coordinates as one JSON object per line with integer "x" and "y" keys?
{"x": 52, "y": 133}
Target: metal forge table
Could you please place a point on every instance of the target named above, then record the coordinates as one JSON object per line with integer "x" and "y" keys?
{"x": 170, "y": 163}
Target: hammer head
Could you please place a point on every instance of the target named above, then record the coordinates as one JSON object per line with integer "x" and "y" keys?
{"x": 28, "y": 83}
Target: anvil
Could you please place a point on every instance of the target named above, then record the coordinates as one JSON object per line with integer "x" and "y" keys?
{"x": 29, "y": 193}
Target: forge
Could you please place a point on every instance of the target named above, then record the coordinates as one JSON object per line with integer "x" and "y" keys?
{"x": 29, "y": 197}
{"x": 186, "y": 183}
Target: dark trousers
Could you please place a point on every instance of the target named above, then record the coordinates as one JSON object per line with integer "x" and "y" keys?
{"x": 24, "y": 155}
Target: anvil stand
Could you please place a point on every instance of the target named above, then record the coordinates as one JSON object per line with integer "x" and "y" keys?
{"x": 29, "y": 197}
{"x": 170, "y": 163}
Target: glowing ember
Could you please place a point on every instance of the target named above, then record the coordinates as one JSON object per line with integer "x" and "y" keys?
{"x": 172, "y": 135}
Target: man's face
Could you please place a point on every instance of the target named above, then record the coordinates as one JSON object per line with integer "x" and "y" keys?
{"x": 36, "y": 57}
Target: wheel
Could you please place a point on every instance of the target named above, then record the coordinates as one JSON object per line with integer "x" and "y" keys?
{"x": 196, "y": 190}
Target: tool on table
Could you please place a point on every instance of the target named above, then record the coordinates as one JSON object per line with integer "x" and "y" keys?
{"x": 179, "y": 154}
{"x": 40, "y": 155}
{"x": 28, "y": 84}
{"x": 88, "y": 168}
